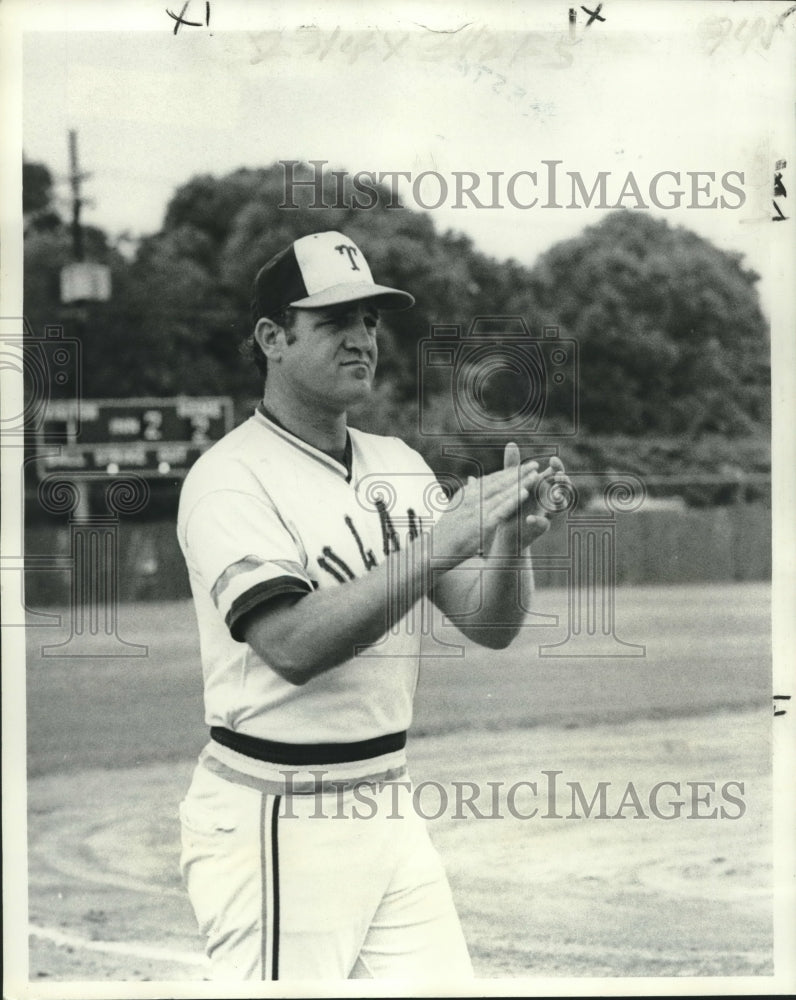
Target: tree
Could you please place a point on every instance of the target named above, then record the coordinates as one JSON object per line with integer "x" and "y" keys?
{"x": 37, "y": 197}
{"x": 672, "y": 340}
{"x": 225, "y": 228}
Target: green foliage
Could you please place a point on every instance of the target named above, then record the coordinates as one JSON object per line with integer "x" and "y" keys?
{"x": 37, "y": 197}
{"x": 670, "y": 330}
{"x": 672, "y": 341}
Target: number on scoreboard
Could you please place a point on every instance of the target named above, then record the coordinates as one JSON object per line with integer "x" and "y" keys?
{"x": 149, "y": 436}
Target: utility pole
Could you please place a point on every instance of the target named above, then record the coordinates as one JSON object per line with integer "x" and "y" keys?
{"x": 83, "y": 508}
{"x": 75, "y": 179}
{"x": 82, "y": 281}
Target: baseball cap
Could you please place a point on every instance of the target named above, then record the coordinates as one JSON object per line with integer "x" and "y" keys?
{"x": 322, "y": 269}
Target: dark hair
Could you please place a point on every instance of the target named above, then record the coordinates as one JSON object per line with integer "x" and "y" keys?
{"x": 252, "y": 351}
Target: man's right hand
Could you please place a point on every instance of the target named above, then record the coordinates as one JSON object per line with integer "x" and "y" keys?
{"x": 478, "y": 508}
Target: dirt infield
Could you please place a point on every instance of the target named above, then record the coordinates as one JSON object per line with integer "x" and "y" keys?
{"x": 538, "y": 897}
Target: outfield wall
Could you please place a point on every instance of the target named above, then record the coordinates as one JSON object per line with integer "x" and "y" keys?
{"x": 719, "y": 544}
{"x": 696, "y": 545}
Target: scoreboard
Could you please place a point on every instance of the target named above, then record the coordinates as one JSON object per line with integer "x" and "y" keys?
{"x": 150, "y": 436}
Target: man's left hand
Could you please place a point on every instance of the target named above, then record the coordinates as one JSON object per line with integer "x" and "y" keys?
{"x": 535, "y": 513}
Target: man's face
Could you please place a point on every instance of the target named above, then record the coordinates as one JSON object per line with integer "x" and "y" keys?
{"x": 332, "y": 357}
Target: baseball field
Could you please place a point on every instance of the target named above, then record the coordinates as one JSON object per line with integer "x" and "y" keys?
{"x": 649, "y": 853}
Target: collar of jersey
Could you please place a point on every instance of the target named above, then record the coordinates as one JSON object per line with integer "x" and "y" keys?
{"x": 274, "y": 424}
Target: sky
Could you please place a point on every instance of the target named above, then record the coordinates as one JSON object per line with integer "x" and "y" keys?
{"x": 665, "y": 87}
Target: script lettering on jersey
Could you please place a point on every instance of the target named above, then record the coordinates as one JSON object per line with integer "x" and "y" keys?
{"x": 388, "y": 534}
{"x": 367, "y": 557}
{"x": 338, "y": 568}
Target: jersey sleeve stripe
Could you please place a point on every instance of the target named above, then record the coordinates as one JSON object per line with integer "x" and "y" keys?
{"x": 246, "y": 565}
{"x": 259, "y": 594}
{"x": 243, "y": 565}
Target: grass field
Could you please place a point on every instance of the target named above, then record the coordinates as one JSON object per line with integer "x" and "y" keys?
{"x": 111, "y": 744}
{"x": 707, "y": 649}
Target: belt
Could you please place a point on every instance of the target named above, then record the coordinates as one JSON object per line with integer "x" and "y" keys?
{"x": 307, "y": 753}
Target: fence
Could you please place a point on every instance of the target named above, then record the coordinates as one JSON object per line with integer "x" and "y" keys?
{"x": 713, "y": 544}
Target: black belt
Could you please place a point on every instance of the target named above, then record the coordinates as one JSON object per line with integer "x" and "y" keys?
{"x": 307, "y": 753}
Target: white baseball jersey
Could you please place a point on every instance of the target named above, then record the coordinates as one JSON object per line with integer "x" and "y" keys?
{"x": 263, "y": 513}
{"x": 279, "y": 893}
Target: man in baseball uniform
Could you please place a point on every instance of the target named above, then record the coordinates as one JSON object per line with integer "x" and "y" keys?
{"x": 309, "y": 547}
